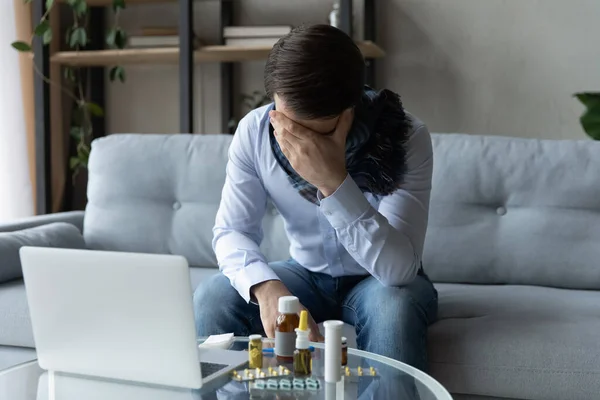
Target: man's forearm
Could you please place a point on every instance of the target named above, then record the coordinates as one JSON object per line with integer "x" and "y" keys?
{"x": 369, "y": 238}
{"x": 260, "y": 290}
{"x": 241, "y": 261}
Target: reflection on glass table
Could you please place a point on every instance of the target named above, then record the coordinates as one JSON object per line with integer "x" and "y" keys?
{"x": 393, "y": 380}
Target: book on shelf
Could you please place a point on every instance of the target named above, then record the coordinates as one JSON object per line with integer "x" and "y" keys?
{"x": 141, "y": 42}
{"x": 159, "y": 31}
{"x": 251, "y": 41}
{"x": 230, "y": 32}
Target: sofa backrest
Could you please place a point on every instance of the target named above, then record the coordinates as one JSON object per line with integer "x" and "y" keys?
{"x": 514, "y": 211}
{"x": 503, "y": 210}
{"x": 160, "y": 194}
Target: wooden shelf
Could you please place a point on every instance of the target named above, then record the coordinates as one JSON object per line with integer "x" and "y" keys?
{"x": 106, "y": 3}
{"x": 102, "y": 3}
{"x": 170, "y": 55}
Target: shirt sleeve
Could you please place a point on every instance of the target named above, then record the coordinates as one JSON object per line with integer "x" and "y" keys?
{"x": 238, "y": 226}
{"x": 388, "y": 243}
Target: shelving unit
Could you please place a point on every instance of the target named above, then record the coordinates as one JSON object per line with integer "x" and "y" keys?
{"x": 97, "y": 58}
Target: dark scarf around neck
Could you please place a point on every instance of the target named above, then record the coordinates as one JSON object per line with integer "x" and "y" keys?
{"x": 375, "y": 147}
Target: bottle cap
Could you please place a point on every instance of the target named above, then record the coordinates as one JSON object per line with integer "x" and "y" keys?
{"x": 344, "y": 340}
{"x": 254, "y": 337}
{"x": 302, "y": 331}
{"x": 303, "y": 326}
{"x": 334, "y": 326}
{"x": 302, "y": 341}
{"x": 289, "y": 305}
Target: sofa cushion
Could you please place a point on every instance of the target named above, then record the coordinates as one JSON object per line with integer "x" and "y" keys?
{"x": 11, "y": 356}
{"x": 15, "y": 325}
{"x": 517, "y": 342}
{"x": 514, "y": 211}
{"x": 59, "y": 234}
{"x": 160, "y": 194}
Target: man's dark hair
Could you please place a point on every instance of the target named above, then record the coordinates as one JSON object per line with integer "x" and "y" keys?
{"x": 317, "y": 70}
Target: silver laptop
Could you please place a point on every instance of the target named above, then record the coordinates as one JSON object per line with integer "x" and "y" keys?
{"x": 118, "y": 315}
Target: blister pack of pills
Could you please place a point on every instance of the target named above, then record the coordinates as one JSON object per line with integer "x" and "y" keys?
{"x": 360, "y": 372}
{"x": 260, "y": 373}
{"x": 296, "y": 385}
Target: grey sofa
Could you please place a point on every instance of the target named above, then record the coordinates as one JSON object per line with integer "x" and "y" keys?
{"x": 513, "y": 246}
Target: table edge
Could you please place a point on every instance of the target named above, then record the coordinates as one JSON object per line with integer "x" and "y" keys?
{"x": 436, "y": 388}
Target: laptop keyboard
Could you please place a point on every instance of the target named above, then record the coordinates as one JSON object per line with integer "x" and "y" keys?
{"x": 208, "y": 369}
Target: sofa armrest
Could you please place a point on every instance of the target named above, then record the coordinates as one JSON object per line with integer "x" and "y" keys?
{"x": 71, "y": 217}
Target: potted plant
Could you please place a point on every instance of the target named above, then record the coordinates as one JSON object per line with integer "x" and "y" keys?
{"x": 77, "y": 38}
{"x": 590, "y": 119}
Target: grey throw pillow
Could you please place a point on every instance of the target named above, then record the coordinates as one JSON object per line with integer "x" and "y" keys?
{"x": 59, "y": 234}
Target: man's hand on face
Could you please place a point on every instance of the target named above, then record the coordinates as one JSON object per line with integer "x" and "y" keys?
{"x": 267, "y": 295}
{"x": 318, "y": 158}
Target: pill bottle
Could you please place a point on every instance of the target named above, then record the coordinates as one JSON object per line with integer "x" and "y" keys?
{"x": 344, "y": 351}
{"x": 285, "y": 330}
{"x": 302, "y": 355}
{"x": 255, "y": 356}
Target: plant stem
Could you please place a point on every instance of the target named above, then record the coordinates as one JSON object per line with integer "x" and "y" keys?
{"x": 51, "y": 82}
{"x": 42, "y": 20}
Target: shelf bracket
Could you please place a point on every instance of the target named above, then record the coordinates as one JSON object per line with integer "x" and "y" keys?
{"x": 43, "y": 201}
{"x": 227, "y": 104}
{"x": 370, "y": 30}
{"x": 186, "y": 66}
{"x": 346, "y": 17}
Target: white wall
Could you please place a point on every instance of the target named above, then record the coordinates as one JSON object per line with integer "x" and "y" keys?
{"x": 505, "y": 67}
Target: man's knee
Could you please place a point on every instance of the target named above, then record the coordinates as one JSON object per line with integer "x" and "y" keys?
{"x": 212, "y": 298}
{"x": 393, "y": 326}
{"x": 393, "y": 309}
{"x": 414, "y": 303}
{"x": 212, "y": 291}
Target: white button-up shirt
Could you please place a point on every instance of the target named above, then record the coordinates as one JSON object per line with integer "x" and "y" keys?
{"x": 347, "y": 233}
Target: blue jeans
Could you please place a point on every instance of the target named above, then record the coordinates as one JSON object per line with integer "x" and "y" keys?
{"x": 391, "y": 321}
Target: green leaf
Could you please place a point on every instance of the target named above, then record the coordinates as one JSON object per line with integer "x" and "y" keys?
{"x": 116, "y": 38}
{"x": 80, "y": 7}
{"x": 85, "y": 151}
{"x": 74, "y": 163}
{"x": 118, "y": 5}
{"x": 21, "y": 46}
{"x": 589, "y": 99}
{"x": 83, "y": 154}
{"x": 47, "y": 38}
{"x": 117, "y": 72}
{"x": 42, "y": 28}
{"x": 77, "y": 133}
{"x": 78, "y": 37}
{"x": 95, "y": 109}
{"x": 73, "y": 38}
{"x": 110, "y": 37}
{"x": 49, "y": 4}
{"x": 120, "y": 38}
{"x": 72, "y": 2}
{"x": 121, "y": 74}
{"x": 590, "y": 120}
{"x": 69, "y": 74}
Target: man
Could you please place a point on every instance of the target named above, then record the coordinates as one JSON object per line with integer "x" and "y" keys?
{"x": 350, "y": 172}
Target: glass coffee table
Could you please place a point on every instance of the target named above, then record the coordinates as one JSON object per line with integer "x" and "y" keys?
{"x": 392, "y": 380}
